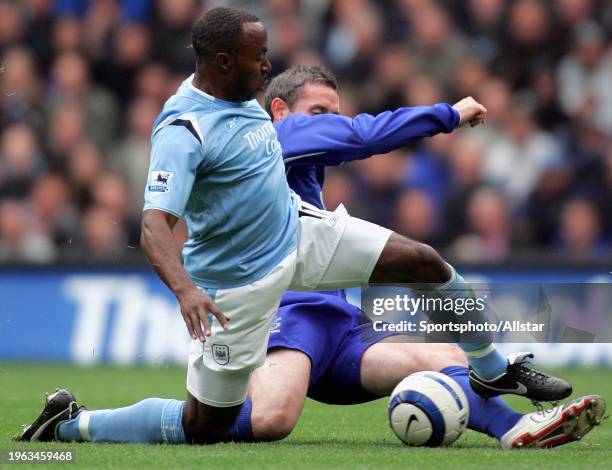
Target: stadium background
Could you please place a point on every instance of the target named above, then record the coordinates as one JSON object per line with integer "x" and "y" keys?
{"x": 82, "y": 82}
{"x": 525, "y": 198}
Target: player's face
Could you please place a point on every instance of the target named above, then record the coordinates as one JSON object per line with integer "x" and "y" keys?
{"x": 316, "y": 98}
{"x": 251, "y": 63}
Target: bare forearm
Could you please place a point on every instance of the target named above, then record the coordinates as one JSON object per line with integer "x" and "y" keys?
{"x": 164, "y": 255}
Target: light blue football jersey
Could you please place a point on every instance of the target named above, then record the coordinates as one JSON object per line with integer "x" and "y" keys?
{"x": 219, "y": 165}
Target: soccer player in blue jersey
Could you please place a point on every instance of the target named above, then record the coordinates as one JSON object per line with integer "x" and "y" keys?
{"x": 216, "y": 161}
{"x": 320, "y": 345}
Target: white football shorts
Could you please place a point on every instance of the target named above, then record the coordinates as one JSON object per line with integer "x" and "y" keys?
{"x": 334, "y": 251}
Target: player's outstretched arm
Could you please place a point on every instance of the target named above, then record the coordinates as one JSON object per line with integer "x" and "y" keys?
{"x": 163, "y": 253}
{"x": 330, "y": 139}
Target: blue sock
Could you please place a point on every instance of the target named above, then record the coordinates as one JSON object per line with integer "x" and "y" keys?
{"x": 242, "y": 430}
{"x": 484, "y": 358}
{"x": 492, "y": 416}
{"x": 151, "y": 421}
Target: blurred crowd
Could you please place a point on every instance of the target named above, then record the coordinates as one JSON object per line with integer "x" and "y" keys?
{"x": 83, "y": 81}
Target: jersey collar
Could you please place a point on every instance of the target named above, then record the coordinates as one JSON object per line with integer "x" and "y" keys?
{"x": 229, "y": 104}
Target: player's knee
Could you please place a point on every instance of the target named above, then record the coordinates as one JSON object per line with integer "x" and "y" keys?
{"x": 274, "y": 425}
{"x": 425, "y": 263}
{"x": 281, "y": 424}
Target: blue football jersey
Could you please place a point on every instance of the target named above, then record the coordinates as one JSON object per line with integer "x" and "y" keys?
{"x": 310, "y": 143}
{"x": 219, "y": 165}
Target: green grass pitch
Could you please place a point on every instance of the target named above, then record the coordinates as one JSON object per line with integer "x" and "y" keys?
{"x": 333, "y": 437}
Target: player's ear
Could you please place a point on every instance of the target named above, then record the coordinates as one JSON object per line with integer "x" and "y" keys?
{"x": 224, "y": 62}
{"x": 279, "y": 109}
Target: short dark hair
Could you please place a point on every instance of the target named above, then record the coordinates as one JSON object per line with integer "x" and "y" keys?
{"x": 219, "y": 30}
{"x": 286, "y": 86}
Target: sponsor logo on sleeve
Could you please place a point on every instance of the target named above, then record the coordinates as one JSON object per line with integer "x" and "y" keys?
{"x": 159, "y": 181}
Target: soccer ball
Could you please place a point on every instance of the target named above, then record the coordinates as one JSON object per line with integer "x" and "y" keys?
{"x": 428, "y": 409}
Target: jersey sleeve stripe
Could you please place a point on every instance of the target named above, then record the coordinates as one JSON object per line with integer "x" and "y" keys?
{"x": 306, "y": 155}
{"x": 188, "y": 125}
{"x": 188, "y": 120}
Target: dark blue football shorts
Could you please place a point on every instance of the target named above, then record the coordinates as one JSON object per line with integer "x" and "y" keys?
{"x": 334, "y": 335}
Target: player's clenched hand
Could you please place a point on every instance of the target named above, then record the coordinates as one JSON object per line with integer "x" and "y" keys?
{"x": 195, "y": 307}
{"x": 471, "y": 111}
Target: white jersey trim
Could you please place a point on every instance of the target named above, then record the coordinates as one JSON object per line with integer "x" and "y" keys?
{"x": 199, "y": 92}
{"x": 202, "y": 93}
{"x": 306, "y": 155}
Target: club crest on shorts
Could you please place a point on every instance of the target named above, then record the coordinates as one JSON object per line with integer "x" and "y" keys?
{"x": 275, "y": 324}
{"x": 220, "y": 353}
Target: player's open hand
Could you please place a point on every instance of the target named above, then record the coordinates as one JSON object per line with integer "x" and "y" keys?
{"x": 471, "y": 111}
{"x": 195, "y": 307}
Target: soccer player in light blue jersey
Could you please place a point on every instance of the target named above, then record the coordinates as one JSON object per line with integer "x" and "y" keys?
{"x": 216, "y": 161}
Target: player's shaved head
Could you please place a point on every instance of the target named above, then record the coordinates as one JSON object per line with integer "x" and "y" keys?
{"x": 231, "y": 48}
{"x": 288, "y": 84}
{"x": 219, "y": 30}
